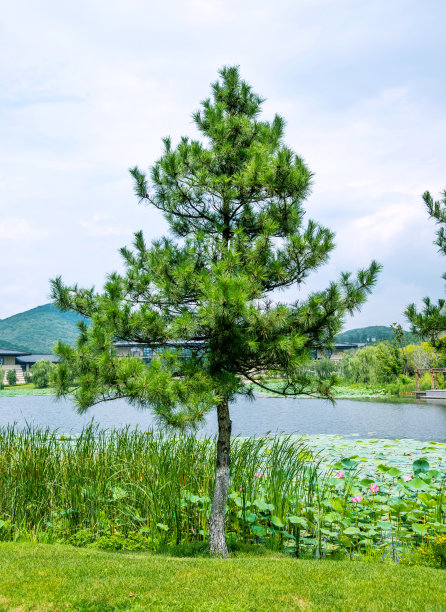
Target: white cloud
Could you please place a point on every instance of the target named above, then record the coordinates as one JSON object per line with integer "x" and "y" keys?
{"x": 16, "y": 230}
{"x": 99, "y": 226}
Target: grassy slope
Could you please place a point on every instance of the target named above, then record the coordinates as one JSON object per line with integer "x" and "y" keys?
{"x": 38, "y": 329}
{"x": 50, "y": 577}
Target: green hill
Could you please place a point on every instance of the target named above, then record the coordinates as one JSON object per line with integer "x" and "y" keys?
{"x": 38, "y": 329}
{"x": 374, "y": 333}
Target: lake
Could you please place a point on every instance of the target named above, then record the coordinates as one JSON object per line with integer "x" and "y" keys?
{"x": 420, "y": 420}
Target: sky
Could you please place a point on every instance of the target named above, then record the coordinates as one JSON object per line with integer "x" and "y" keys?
{"x": 89, "y": 89}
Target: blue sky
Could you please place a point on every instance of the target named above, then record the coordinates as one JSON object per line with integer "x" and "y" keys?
{"x": 88, "y": 89}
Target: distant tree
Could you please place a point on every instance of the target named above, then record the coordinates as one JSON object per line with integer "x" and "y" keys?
{"x": 11, "y": 377}
{"x": 421, "y": 357}
{"x": 390, "y": 362}
{"x": 235, "y": 206}
{"x": 42, "y": 372}
{"x": 325, "y": 367}
{"x": 430, "y": 322}
{"x": 374, "y": 363}
{"x": 398, "y": 338}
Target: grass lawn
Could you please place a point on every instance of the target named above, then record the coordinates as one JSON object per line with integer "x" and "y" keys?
{"x": 25, "y": 389}
{"x": 51, "y": 577}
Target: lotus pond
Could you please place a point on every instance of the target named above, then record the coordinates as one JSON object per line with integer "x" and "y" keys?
{"x": 313, "y": 496}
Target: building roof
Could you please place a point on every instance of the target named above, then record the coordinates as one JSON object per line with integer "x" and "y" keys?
{"x": 347, "y": 345}
{"x": 149, "y": 344}
{"x": 36, "y": 357}
{"x": 9, "y": 352}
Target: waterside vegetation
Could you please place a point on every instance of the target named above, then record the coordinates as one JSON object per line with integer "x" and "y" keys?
{"x": 132, "y": 490}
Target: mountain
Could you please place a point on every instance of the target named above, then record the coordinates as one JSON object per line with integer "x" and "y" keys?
{"x": 37, "y": 330}
{"x": 374, "y": 333}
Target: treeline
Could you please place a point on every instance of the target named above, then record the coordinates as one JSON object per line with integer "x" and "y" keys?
{"x": 384, "y": 363}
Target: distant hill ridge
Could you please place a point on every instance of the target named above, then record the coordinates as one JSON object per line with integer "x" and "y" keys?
{"x": 37, "y": 330}
{"x": 373, "y": 333}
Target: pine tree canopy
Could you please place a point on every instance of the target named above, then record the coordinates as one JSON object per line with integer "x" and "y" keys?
{"x": 234, "y": 204}
{"x": 430, "y": 322}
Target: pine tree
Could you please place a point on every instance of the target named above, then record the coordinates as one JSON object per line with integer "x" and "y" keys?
{"x": 430, "y": 322}
{"x": 234, "y": 205}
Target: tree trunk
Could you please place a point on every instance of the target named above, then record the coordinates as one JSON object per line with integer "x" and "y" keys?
{"x": 217, "y": 540}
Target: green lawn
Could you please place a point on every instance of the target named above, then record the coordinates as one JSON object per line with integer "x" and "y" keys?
{"x": 50, "y": 577}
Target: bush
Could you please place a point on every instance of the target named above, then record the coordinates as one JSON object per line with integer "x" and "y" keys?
{"x": 6, "y": 531}
{"x": 2, "y": 378}
{"x": 439, "y": 550}
{"x": 42, "y": 372}
{"x": 11, "y": 377}
{"x": 432, "y": 553}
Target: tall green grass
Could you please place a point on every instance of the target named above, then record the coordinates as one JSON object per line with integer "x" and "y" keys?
{"x": 131, "y": 482}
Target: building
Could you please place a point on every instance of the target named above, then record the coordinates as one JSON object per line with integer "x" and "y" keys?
{"x": 339, "y": 351}
{"x": 21, "y": 362}
{"x": 146, "y": 352}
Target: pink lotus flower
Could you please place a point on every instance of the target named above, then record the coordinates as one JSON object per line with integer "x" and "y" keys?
{"x": 374, "y": 488}
{"x": 258, "y": 475}
{"x": 357, "y": 499}
{"x": 407, "y": 478}
{"x": 339, "y": 475}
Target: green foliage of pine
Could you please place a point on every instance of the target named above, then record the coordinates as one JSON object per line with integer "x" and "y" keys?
{"x": 429, "y": 322}
{"x": 37, "y": 330}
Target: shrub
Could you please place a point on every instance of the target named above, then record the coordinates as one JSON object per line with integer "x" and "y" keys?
{"x": 2, "y": 378}
{"x": 6, "y": 531}
{"x": 42, "y": 372}
{"x": 11, "y": 377}
{"x": 439, "y": 550}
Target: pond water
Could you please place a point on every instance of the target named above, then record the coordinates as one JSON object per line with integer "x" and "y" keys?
{"x": 422, "y": 420}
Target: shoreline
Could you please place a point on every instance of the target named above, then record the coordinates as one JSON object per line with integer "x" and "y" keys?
{"x": 353, "y": 395}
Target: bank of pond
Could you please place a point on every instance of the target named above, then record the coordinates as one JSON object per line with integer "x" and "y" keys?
{"x": 311, "y": 496}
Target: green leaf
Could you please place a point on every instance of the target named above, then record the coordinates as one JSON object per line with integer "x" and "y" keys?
{"x": 421, "y": 529}
{"x": 262, "y": 505}
{"x": 348, "y": 463}
{"x": 385, "y": 526}
{"x": 394, "y": 472}
{"x": 162, "y": 526}
{"x": 416, "y": 483}
{"x": 366, "y": 482}
{"x": 297, "y": 520}
{"x": 338, "y": 505}
{"x": 118, "y": 493}
{"x": 352, "y": 531}
{"x": 333, "y": 517}
{"x": 275, "y": 520}
{"x": 421, "y": 465}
